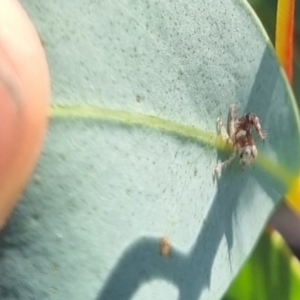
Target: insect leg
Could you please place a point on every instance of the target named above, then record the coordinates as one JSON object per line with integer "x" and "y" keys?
{"x": 224, "y": 164}
{"x": 232, "y": 121}
{"x": 222, "y": 130}
{"x": 258, "y": 128}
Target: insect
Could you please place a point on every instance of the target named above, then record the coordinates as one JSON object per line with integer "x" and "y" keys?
{"x": 165, "y": 246}
{"x": 239, "y": 136}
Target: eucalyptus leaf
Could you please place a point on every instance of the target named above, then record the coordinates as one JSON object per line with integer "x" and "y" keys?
{"x": 131, "y": 148}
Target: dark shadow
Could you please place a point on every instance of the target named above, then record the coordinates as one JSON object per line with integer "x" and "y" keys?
{"x": 191, "y": 273}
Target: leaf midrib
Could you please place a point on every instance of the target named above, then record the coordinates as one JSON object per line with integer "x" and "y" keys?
{"x": 182, "y": 130}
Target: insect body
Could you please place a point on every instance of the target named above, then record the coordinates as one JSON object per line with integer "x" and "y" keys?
{"x": 240, "y": 138}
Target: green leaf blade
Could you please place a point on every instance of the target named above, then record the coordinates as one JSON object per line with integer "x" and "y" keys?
{"x": 271, "y": 272}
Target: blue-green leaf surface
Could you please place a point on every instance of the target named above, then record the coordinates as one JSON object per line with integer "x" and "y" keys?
{"x": 130, "y": 152}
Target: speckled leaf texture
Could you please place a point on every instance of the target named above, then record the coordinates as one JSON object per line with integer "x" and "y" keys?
{"x": 137, "y": 87}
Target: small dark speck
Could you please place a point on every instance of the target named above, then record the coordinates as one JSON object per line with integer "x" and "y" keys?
{"x": 37, "y": 179}
{"x": 36, "y": 217}
{"x": 62, "y": 156}
{"x": 195, "y": 172}
{"x": 138, "y": 98}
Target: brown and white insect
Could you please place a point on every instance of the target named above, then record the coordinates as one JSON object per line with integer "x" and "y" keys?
{"x": 240, "y": 138}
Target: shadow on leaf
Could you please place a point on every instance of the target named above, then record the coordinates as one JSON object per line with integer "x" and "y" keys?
{"x": 191, "y": 273}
